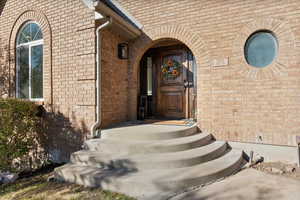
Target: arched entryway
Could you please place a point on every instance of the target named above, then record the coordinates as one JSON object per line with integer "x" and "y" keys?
{"x": 196, "y": 44}
{"x": 167, "y": 82}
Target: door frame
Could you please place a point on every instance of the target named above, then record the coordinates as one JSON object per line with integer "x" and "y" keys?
{"x": 157, "y": 56}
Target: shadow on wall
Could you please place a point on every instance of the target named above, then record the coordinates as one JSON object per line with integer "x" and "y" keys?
{"x": 4, "y": 69}
{"x": 62, "y": 135}
{"x": 2, "y": 5}
{"x": 60, "y": 138}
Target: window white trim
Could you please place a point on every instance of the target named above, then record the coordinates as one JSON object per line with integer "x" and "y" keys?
{"x": 30, "y": 45}
{"x": 22, "y": 28}
{"x": 33, "y": 43}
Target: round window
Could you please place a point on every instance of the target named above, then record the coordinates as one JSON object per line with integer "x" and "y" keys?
{"x": 261, "y": 49}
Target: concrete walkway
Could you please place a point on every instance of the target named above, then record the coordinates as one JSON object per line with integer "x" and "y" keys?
{"x": 249, "y": 184}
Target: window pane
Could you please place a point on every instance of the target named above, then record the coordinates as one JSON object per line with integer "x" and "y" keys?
{"x": 30, "y": 32}
{"x": 149, "y": 75}
{"x": 37, "y": 72}
{"x": 23, "y": 72}
{"x": 38, "y": 35}
{"x": 22, "y": 39}
{"x": 26, "y": 33}
{"x": 34, "y": 29}
{"x": 36, "y": 32}
{"x": 261, "y": 49}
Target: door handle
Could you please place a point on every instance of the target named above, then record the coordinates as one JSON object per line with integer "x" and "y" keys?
{"x": 185, "y": 84}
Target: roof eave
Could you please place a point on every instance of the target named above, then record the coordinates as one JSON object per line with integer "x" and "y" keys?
{"x": 114, "y": 5}
{"x": 129, "y": 31}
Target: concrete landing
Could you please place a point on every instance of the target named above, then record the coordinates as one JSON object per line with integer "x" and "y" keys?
{"x": 249, "y": 184}
{"x": 150, "y": 132}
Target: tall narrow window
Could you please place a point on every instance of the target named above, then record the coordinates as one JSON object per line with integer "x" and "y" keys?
{"x": 30, "y": 62}
{"x": 149, "y": 76}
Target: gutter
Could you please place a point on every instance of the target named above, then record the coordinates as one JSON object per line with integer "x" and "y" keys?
{"x": 105, "y": 7}
{"x": 106, "y": 11}
{"x": 96, "y": 127}
{"x": 133, "y": 30}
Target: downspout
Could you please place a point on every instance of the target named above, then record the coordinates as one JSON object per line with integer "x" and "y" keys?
{"x": 96, "y": 127}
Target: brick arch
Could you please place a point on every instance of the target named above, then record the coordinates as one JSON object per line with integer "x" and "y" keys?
{"x": 151, "y": 37}
{"x": 41, "y": 19}
{"x": 287, "y": 46}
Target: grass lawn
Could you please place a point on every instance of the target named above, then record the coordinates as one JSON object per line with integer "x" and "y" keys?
{"x": 37, "y": 188}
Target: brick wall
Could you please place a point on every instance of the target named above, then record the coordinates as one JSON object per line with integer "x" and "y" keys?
{"x": 236, "y": 101}
{"x": 69, "y": 65}
{"x": 4, "y": 70}
{"x": 114, "y": 80}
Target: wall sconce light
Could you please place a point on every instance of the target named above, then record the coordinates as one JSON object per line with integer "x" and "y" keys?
{"x": 123, "y": 51}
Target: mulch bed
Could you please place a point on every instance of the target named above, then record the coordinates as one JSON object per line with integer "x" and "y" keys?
{"x": 43, "y": 170}
{"x": 279, "y": 168}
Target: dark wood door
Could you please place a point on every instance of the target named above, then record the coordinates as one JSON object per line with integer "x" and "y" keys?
{"x": 172, "y": 92}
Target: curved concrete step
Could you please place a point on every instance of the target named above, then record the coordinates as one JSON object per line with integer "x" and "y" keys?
{"x": 145, "y": 184}
{"x": 149, "y": 132}
{"x": 152, "y": 161}
{"x": 124, "y": 147}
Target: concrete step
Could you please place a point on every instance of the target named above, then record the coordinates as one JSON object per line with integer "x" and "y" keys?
{"x": 124, "y": 147}
{"x": 145, "y": 184}
{"x": 149, "y": 132}
{"x": 152, "y": 160}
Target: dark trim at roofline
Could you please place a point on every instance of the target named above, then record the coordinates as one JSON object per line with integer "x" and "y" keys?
{"x": 116, "y": 7}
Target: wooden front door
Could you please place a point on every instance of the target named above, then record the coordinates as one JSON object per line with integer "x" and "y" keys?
{"x": 172, "y": 84}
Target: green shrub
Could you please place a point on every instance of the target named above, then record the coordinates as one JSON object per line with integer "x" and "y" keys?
{"x": 20, "y": 131}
